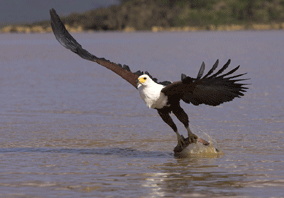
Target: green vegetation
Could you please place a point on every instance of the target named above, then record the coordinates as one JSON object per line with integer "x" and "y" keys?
{"x": 144, "y": 14}
{"x": 179, "y": 14}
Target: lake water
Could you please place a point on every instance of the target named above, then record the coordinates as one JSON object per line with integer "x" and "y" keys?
{"x": 71, "y": 128}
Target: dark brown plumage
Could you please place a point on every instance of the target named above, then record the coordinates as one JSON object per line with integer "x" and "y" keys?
{"x": 210, "y": 90}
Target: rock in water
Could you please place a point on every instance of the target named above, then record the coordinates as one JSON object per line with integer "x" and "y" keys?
{"x": 179, "y": 149}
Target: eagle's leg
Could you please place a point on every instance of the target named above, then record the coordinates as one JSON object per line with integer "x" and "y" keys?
{"x": 182, "y": 116}
{"x": 167, "y": 119}
{"x": 191, "y": 136}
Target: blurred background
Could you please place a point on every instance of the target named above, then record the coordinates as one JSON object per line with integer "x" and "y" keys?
{"x": 155, "y": 15}
{"x": 26, "y": 11}
{"x": 71, "y": 128}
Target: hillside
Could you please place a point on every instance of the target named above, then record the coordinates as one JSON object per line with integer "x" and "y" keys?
{"x": 156, "y": 15}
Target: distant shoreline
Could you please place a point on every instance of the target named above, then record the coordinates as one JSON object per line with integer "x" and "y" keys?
{"x": 233, "y": 27}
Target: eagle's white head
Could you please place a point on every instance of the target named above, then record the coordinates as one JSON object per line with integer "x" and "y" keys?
{"x": 150, "y": 92}
{"x": 144, "y": 80}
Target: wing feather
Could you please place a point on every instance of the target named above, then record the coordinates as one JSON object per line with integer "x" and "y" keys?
{"x": 201, "y": 71}
{"x": 213, "y": 68}
{"x": 65, "y": 39}
{"x": 210, "y": 90}
{"x": 230, "y": 72}
{"x": 221, "y": 70}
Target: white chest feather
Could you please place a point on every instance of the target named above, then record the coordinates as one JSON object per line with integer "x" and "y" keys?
{"x": 152, "y": 96}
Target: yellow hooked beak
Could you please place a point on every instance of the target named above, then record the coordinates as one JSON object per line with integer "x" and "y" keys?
{"x": 141, "y": 80}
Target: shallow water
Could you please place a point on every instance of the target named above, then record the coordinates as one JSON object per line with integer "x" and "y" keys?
{"x": 71, "y": 128}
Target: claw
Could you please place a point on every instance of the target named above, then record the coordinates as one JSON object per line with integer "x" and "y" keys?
{"x": 181, "y": 141}
{"x": 192, "y": 138}
{"x": 184, "y": 142}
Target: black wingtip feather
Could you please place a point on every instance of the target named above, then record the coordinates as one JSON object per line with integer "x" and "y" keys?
{"x": 222, "y": 69}
{"x": 230, "y": 72}
{"x": 126, "y": 67}
{"x": 201, "y": 70}
{"x": 139, "y": 73}
{"x": 236, "y": 76}
{"x": 212, "y": 69}
{"x": 61, "y": 34}
{"x": 215, "y": 89}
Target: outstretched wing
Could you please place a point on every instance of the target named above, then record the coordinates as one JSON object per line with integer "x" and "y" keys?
{"x": 65, "y": 39}
{"x": 210, "y": 89}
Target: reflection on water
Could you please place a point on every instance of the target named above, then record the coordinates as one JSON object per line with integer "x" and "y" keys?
{"x": 71, "y": 128}
{"x": 166, "y": 178}
{"x": 186, "y": 179}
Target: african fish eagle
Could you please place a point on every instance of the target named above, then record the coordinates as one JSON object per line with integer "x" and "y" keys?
{"x": 211, "y": 89}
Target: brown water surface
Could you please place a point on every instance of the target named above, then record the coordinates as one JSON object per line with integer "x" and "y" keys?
{"x": 71, "y": 128}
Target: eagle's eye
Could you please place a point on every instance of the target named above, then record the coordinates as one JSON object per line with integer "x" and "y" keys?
{"x": 144, "y": 78}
